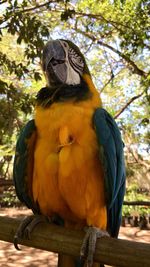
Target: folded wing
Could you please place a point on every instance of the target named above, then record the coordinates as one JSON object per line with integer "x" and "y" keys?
{"x": 112, "y": 158}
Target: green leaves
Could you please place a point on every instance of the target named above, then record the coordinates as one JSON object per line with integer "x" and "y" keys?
{"x": 37, "y": 76}
{"x": 134, "y": 193}
{"x": 67, "y": 14}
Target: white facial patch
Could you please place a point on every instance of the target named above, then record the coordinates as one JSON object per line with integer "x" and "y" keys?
{"x": 74, "y": 64}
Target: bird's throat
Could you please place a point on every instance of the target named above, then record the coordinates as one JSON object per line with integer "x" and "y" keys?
{"x": 48, "y": 95}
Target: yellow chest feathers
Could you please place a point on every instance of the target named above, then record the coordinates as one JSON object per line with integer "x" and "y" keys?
{"x": 66, "y": 165}
{"x": 64, "y": 124}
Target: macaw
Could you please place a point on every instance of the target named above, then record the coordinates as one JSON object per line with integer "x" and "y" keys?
{"x": 69, "y": 162}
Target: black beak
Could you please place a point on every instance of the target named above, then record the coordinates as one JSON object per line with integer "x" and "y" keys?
{"x": 54, "y": 65}
{"x": 52, "y": 51}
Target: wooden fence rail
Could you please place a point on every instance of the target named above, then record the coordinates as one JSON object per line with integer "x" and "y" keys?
{"x": 54, "y": 238}
{"x": 4, "y": 182}
{"x": 137, "y": 203}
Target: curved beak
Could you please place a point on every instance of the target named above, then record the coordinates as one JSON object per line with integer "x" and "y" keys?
{"x": 54, "y": 65}
{"x": 52, "y": 50}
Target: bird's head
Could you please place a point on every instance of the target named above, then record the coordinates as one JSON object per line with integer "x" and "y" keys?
{"x": 67, "y": 74}
{"x": 63, "y": 63}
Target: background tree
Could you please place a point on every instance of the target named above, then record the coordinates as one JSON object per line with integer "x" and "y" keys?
{"x": 115, "y": 38}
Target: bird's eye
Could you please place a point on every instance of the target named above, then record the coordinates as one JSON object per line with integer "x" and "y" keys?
{"x": 64, "y": 43}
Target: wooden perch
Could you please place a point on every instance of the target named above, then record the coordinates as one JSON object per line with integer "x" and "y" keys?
{"x": 137, "y": 203}
{"x": 58, "y": 239}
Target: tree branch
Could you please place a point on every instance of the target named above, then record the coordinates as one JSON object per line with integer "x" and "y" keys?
{"x": 136, "y": 156}
{"x": 20, "y": 10}
{"x": 136, "y": 69}
{"x": 38, "y": 6}
{"x": 128, "y": 103}
{"x": 110, "y": 79}
{"x": 2, "y": 2}
{"x": 101, "y": 17}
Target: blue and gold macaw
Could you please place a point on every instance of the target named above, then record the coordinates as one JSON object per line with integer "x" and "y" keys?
{"x": 69, "y": 162}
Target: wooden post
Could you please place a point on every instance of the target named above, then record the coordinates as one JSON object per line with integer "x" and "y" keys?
{"x": 54, "y": 238}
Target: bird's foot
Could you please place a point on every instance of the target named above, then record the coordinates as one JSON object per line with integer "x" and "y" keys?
{"x": 26, "y": 227}
{"x": 89, "y": 243}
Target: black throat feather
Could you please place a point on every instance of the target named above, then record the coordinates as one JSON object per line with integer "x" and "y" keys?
{"x": 47, "y": 96}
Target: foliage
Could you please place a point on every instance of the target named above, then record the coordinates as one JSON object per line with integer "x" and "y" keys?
{"x": 115, "y": 38}
{"x": 133, "y": 193}
{"x": 9, "y": 198}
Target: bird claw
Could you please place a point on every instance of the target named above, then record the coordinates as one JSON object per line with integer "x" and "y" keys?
{"x": 26, "y": 227}
{"x": 20, "y": 231}
{"x": 89, "y": 243}
{"x": 16, "y": 241}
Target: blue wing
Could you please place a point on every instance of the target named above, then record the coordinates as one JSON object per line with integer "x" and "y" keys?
{"x": 112, "y": 158}
{"x": 23, "y": 165}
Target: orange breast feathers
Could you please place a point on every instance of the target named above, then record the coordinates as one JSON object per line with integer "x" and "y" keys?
{"x": 68, "y": 177}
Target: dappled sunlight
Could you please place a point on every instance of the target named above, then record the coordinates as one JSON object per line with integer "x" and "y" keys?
{"x": 134, "y": 234}
{"x": 28, "y": 257}
{"x": 15, "y": 212}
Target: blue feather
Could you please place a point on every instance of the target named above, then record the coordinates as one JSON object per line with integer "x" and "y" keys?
{"x": 112, "y": 158}
{"x": 20, "y": 166}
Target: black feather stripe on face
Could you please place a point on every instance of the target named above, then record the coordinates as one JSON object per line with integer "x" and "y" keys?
{"x": 76, "y": 61}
